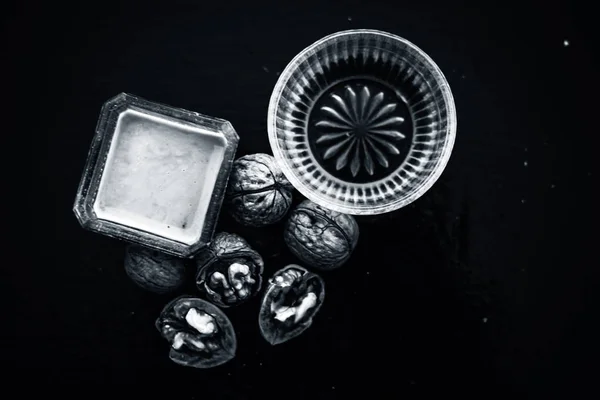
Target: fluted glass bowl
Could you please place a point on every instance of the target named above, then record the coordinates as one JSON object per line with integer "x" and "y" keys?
{"x": 362, "y": 122}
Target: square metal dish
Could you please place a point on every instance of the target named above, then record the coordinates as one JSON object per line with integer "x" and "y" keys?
{"x": 156, "y": 175}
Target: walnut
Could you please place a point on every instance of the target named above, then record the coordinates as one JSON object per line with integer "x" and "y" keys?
{"x": 229, "y": 270}
{"x": 258, "y": 193}
{"x": 321, "y": 238}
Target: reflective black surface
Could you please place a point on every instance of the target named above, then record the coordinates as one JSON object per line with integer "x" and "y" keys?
{"x": 484, "y": 284}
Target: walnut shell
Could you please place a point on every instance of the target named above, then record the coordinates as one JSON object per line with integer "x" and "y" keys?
{"x": 258, "y": 193}
{"x": 321, "y": 238}
{"x": 217, "y": 277}
{"x": 282, "y": 316}
{"x": 154, "y": 271}
{"x": 200, "y": 335}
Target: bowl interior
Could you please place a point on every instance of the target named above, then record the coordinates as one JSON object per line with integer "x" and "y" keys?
{"x": 362, "y": 122}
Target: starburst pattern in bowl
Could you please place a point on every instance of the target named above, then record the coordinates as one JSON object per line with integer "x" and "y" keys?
{"x": 359, "y": 130}
{"x": 362, "y": 122}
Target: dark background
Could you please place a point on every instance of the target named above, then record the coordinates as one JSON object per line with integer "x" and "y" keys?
{"x": 483, "y": 284}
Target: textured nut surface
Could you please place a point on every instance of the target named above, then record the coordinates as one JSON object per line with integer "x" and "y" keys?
{"x": 292, "y": 299}
{"x": 153, "y": 270}
{"x": 229, "y": 270}
{"x": 201, "y": 335}
{"x": 258, "y": 193}
{"x": 321, "y": 238}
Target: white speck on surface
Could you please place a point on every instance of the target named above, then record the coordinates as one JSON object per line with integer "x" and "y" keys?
{"x": 277, "y": 73}
{"x": 463, "y": 77}
{"x": 526, "y": 149}
{"x": 484, "y": 320}
{"x": 523, "y": 201}
{"x": 333, "y": 387}
{"x": 265, "y": 68}
{"x": 368, "y": 272}
{"x": 552, "y": 186}
{"x": 349, "y": 18}
{"x": 260, "y": 364}
{"x": 566, "y": 43}
{"x": 525, "y": 163}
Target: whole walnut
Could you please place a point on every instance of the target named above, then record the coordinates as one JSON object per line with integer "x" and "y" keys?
{"x": 154, "y": 271}
{"x": 258, "y": 193}
{"x": 321, "y": 238}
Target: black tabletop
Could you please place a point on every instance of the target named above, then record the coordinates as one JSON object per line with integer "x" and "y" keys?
{"x": 483, "y": 283}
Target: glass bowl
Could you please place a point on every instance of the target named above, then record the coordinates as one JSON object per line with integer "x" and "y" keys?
{"x": 362, "y": 122}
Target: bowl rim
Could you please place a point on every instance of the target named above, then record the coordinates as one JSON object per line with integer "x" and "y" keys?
{"x": 347, "y": 209}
